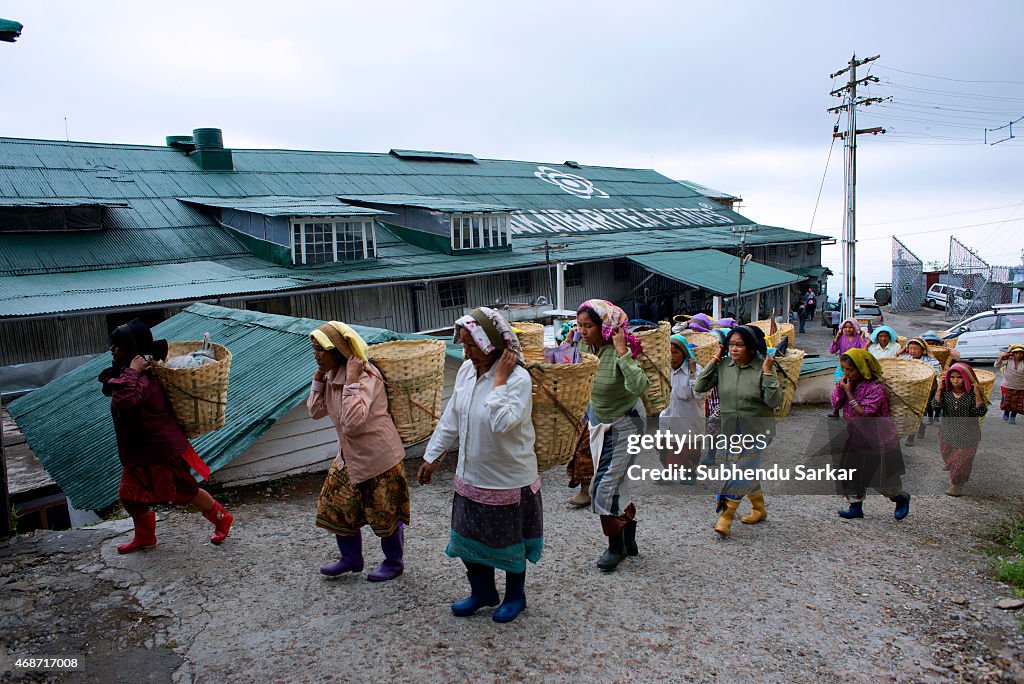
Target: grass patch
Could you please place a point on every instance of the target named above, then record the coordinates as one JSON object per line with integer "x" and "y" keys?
{"x": 1009, "y": 567}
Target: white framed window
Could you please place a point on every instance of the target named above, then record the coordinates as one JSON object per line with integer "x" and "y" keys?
{"x": 479, "y": 230}
{"x": 319, "y": 240}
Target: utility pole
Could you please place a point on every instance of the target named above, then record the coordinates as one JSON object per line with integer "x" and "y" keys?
{"x": 743, "y": 261}
{"x": 850, "y": 140}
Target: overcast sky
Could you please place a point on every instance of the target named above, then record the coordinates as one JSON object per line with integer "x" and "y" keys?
{"x": 733, "y": 97}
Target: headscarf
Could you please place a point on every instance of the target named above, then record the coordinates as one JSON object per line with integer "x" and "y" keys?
{"x": 965, "y": 371}
{"x": 884, "y": 329}
{"x": 684, "y": 344}
{"x": 489, "y": 330}
{"x": 932, "y": 336}
{"x": 612, "y": 318}
{"x": 753, "y": 338}
{"x": 856, "y": 325}
{"x": 1016, "y": 347}
{"x": 135, "y": 338}
{"x": 339, "y": 336}
{"x": 921, "y": 343}
{"x": 867, "y": 364}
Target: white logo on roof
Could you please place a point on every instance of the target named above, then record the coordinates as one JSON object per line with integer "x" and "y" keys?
{"x": 571, "y": 183}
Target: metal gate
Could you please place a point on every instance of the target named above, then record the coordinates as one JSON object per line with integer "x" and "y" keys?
{"x": 969, "y": 271}
{"x": 907, "y": 278}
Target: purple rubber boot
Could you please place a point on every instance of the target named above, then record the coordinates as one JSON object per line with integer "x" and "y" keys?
{"x": 393, "y": 547}
{"x": 351, "y": 560}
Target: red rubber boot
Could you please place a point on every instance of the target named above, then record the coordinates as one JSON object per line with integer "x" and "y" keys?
{"x": 222, "y": 519}
{"x": 145, "y": 533}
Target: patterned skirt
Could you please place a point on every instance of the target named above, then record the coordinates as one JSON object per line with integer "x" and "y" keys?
{"x": 380, "y": 502}
{"x": 502, "y": 537}
{"x": 1012, "y": 400}
{"x": 169, "y": 482}
{"x": 580, "y": 468}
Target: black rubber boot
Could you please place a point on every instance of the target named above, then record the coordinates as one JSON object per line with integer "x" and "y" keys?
{"x": 629, "y": 538}
{"x": 615, "y": 553}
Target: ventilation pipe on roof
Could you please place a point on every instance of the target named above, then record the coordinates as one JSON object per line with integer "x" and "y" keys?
{"x": 181, "y": 142}
{"x": 208, "y": 150}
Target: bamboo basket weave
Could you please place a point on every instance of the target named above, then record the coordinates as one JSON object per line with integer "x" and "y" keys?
{"x": 707, "y": 346}
{"x": 791, "y": 364}
{"x": 413, "y": 373}
{"x": 197, "y": 395}
{"x": 987, "y": 380}
{"x": 908, "y": 383}
{"x": 781, "y": 330}
{"x": 654, "y": 360}
{"x": 561, "y": 392}
{"x": 901, "y": 342}
{"x": 531, "y": 335}
{"x": 940, "y": 352}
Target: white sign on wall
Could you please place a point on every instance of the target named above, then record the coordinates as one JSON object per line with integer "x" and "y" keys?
{"x": 537, "y": 221}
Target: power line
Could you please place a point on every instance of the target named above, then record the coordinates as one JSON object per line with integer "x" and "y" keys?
{"x": 946, "y": 78}
{"x": 825, "y": 172}
{"x": 948, "y": 93}
{"x": 942, "y": 230}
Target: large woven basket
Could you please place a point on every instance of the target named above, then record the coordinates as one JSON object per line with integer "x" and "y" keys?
{"x": 940, "y": 352}
{"x": 987, "y": 380}
{"x": 413, "y": 373}
{"x": 197, "y": 395}
{"x": 781, "y": 330}
{"x": 707, "y": 346}
{"x": 791, "y": 363}
{"x": 561, "y": 393}
{"x": 655, "y": 360}
{"x": 901, "y": 342}
{"x": 909, "y": 382}
{"x": 531, "y": 335}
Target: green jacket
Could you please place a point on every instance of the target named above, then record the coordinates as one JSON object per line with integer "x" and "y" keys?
{"x": 619, "y": 383}
{"x": 746, "y": 396}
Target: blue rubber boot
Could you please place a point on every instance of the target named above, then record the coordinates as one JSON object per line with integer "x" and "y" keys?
{"x": 515, "y": 597}
{"x": 351, "y": 560}
{"x": 484, "y": 593}
{"x": 856, "y": 510}
{"x": 902, "y": 502}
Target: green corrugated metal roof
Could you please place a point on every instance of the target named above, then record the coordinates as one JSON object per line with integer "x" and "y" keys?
{"x": 60, "y": 202}
{"x": 427, "y": 154}
{"x": 812, "y": 271}
{"x": 277, "y": 205}
{"x": 67, "y": 423}
{"x": 714, "y": 271}
{"x": 435, "y": 203}
{"x": 821, "y": 363}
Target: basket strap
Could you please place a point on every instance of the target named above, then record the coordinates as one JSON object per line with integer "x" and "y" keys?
{"x": 551, "y": 395}
{"x": 402, "y": 391}
{"x": 897, "y": 395}
{"x": 664, "y": 377}
{"x": 194, "y": 396}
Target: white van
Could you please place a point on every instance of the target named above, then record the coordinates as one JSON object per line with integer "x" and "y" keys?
{"x": 983, "y": 336}
{"x": 938, "y": 295}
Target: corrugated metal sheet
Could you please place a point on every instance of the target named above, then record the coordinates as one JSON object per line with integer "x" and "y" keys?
{"x": 714, "y": 271}
{"x": 68, "y": 424}
{"x": 285, "y": 206}
{"x": 436, "y": 203}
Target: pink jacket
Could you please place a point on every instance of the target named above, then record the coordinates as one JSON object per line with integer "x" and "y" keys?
{"x": 847, "y": 342}
{"x": 368, "y": 441}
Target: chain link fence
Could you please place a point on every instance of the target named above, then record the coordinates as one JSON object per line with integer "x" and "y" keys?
{"x": 973, "y": 275}
{"x": 907, "y": 278}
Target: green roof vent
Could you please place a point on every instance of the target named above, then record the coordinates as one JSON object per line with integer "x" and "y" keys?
{"x": 181, "y": 142}
{"x": 427, "y": 155}
{"x": 209, "y": 150}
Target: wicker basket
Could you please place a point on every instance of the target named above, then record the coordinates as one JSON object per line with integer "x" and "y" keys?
{"x": 197, "y": 395}
{"x": 940, "y": 352}
{"x": 781, "y": 330}
{"x": 561, "y": 393}
{"x": 901, "y": 342}
{"x": 987, "y": 380}
{"x": 909, "y": 383}
{"x": 655, "y": 360}
{"x": 791, "y": 364}
{"x": 531, "y": 335}
{"x": 707, "y": 346}
{"x": 413, "y": 372}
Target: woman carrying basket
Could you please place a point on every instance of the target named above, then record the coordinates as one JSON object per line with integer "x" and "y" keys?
{"x": 497, "y": 513}
{"x": 883, "y": 343}
{"x": 849, "y": 336}
{"x": 616, "y": 413}
{"x": 683, "y": 414}
{"x": 960, "y": 400}
{"x": 748, "y": 393}
{"x": 872, "y": 446}
{"x": 918, "y": 350}
{"x": 366, "y": 484}
{"x": 155, "y": 454}
{"x": 1012, "y": 363}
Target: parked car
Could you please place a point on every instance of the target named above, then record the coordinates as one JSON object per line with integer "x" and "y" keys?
{"x": 867, "y": 311}
{"x": 939, "y": 294}
{"x": 826, "y": 313}
{"x": 983, "y": 336}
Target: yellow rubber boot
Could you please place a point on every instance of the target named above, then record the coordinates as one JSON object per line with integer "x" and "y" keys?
{"x": 726, "y": 516}
{"x": 757, "y": 511}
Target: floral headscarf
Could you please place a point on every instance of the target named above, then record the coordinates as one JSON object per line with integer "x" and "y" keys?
{"x": 489, "y": 331}
{"x": 612, "y": 318}
{"x": 965, "y": 371}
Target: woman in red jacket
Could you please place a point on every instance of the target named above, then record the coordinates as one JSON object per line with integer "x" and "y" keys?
{"x": 155, "y": 454}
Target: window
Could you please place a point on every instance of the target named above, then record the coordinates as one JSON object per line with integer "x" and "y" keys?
{"x": 573, "y": 276}
{"x": 620, "y": 270}
{"x": 519, "y": 283}
{"x": 479, "y": 231}
{"x": 452, "y": 294}
{"x": 315, "y": 242}
{"x": 1011, "y": 321}
{"x": 981, "y": 324}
